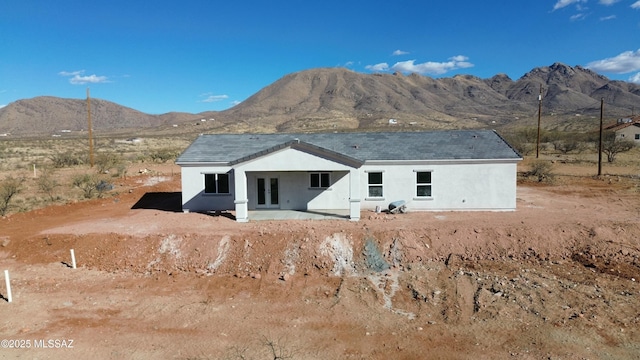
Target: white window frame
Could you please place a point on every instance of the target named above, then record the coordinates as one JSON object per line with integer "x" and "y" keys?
{"x": 320, "y": 176}
{"x": 216, "y": 181}
{"x": 423, "y": 184}
{"x": 375, "y": 185}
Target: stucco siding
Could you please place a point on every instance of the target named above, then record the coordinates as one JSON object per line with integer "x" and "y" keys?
{"x": 295, "y": 192}
{"x": 193, "y": 196}
{"x": 479, "y": 186}
{"x": 629, "y": 133}
{"x": 291, "y": 160}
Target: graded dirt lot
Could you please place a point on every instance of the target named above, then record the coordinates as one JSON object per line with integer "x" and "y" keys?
{"x": 556, "y": 279}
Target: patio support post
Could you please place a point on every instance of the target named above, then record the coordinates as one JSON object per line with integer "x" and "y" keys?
{"x": 354, "y": 195}
{"x": 241, "y": 201}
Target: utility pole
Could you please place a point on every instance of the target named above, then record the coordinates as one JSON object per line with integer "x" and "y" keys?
{"x": 600, "y": 141}
{"x": 90, "y": 128}
{"x": 539, "y": 114}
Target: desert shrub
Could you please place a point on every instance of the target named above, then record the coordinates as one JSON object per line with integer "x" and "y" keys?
{"x": 105, "y": 161}
{"x": 121, "y": 170}
{"x": 47, "y": 183}
{"x": 541, "y": 171}
{"x": 65, "y": 159}
{"x": 567, "y": 146}
{"x": 163, "y": 155}
{"x": 91, "y": 185}
{"x": 9, "y": 188}
{"x": 523, "y": 140}
{"x": 566, "y": 142}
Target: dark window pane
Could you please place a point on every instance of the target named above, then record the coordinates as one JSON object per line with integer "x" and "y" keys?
{"x": 210, "y": 183}
{"x": 274, "y": 191}
{"x": 375, "y": 191}
{"x": 423, "y": 177}
{"x": 223, "y": 183}
{"x": 325, "y": 180}
{"x": 315, "y": 180}
{"x": 424, "y": 190}
{"x": 375, "y": 178}
{"x": 262, "y": 199}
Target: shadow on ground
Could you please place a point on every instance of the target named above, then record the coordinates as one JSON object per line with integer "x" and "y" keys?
{"x": 170, "y": 202}
{"x": 165, "y": 201}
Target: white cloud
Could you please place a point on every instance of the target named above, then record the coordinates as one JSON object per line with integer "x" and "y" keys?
{"x": 605, "y": 18}
{"x": 213, "y": 98}
{"x": 635, "y": 78}
{"x": 623, "y": 63}
{"x": 235, "y": 102}
{"x": 71, "y": 73}
{"x": 564, "y": 3}
{"x": 399, "y": 52}
{"x": 431, "y": 67}
{"x": 78, "y": 79}
{"x": 91, "y": 79}
{"x": 378, "y": 67}
{"x": 635, "y": 5}
{"x": 608, "y": 2}
{"x": 1, "y": 106}
{"x": 577, "y": 17}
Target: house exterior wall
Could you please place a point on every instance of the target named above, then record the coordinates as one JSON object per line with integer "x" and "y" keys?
{"x": 291, "y": 167}
{"x": 455, "y": 186}
{"x": 193, "y": 196}
{"x": 296, "y": 194}
{"x": 289, "y": 159}
{"x": 629, "y": 133}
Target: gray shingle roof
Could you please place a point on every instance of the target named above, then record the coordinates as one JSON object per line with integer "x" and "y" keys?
{"x": 433, "y": 145}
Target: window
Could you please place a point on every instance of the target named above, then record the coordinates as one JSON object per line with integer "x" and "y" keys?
{"x": 423, "y": 183}
{"x": 216, "y": 183}
{"x": 320, "y": 180}
{"x": 375, "y": 184}
{"x": 637, "y": 137}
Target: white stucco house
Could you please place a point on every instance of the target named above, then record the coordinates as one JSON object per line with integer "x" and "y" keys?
{"x": 437, "y": 170}
{"x": 627, "y": 129}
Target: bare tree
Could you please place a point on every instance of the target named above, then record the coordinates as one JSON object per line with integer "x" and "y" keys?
{"x": 47, "y": 184}
{"x": 612, "y": 146}
{"x": 9, "y": 188}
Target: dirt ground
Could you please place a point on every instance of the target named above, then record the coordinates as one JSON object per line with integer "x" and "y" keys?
{"x": 556, "y": 279}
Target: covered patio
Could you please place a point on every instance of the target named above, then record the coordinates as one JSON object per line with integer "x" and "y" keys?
{"x": 278, "y": 214}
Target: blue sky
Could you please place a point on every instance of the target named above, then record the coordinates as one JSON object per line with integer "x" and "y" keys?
{"x": 198, "y": 55}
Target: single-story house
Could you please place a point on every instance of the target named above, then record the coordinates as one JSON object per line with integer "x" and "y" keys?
{"x": 436, "y": 170}
{"x": 627, "y": 129}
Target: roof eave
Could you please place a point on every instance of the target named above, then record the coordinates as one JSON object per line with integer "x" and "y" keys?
{"x": 202, "y": 163}
{"x": 444, "y": 161}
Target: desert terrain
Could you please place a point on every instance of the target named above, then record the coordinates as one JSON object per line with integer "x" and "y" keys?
{"x": 556, "y": 279}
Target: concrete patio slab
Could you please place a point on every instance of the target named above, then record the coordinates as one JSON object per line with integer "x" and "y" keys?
{"x": 260, "y": 215}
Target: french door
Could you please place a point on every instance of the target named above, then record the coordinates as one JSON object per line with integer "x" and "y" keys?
{"x": 268, "y": 194}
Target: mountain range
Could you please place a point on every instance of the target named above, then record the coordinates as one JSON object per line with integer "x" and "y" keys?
{"x": 341, "y": 100}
